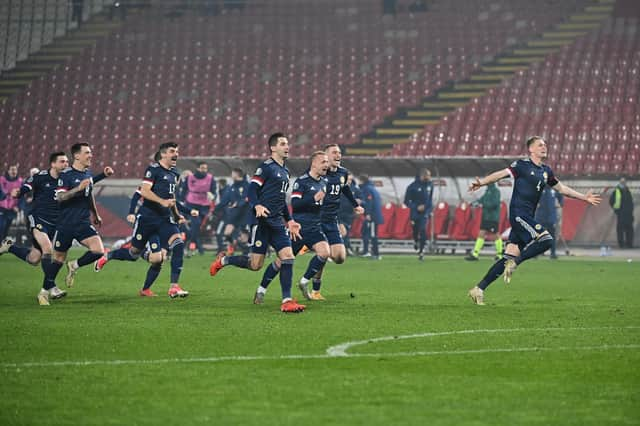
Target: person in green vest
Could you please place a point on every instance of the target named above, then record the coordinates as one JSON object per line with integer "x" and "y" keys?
{"x": 621, "y": 202}
{"x": 490, "y": 202}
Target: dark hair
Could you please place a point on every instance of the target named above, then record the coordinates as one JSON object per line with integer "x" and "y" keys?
{"x": 273, "y": 139}
{"x": 200, "y": 163}
{"x": 163, "y": 147}
{"x": 331, "y": 145}
{"x": 157, "y": 156}
{"x": 532, "y": 139}
{"x": 54, "y": 156}
{"x": 238, "y": 170}
{"x": 77, "y": 147}
{"x": 222, "y": 182}
{"x": 364, "y": 178}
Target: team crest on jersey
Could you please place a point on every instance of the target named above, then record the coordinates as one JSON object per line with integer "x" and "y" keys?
{"x": 241, "y": 190}
{"x": 545, "y": 175}
{"x": 259, "y": 171}
{"x": 258, "y": 243}
{"x": 138, "y": 237}
{"x": 538, "y": 227}
{"x": 154, "y": 246}
{"x": 39, "y": 226}
{"x": 342, "y": 180}
{"x": 57, "y": 243}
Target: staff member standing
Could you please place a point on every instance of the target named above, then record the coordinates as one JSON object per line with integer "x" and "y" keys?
{"x": 201, "y": 190}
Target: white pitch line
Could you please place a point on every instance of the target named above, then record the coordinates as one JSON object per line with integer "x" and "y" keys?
{"x": 339, "y": 351}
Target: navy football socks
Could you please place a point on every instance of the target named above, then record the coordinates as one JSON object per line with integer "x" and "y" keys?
{"x": 19, "y": 252}
{"x": 88, "y": 258}
{"x": 269, "y": 274}
{"x": 315, "y": 264}
{"x": 535, "y": 248}
{"x": 177, "y": 259}
{"x": 152, "y": 275}
{"x": 286, "y": 277}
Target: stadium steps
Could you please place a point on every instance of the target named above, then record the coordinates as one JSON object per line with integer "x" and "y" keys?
{"x": 53, "y": 55}
{"x": 407, "y": 122}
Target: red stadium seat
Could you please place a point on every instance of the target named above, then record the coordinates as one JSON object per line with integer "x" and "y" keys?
{"x": 388, "y": 213}
{"x": 402, "y": 229}
{"x": 440, "y": 221}
{"x": 460, "y": 223}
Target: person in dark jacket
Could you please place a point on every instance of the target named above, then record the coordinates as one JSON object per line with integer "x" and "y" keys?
{"x": 419, "y": 198}
{"x": 547, "y": 214}
{"x": 347, "y": 213}
{"x": 490, "y": 202}
{"x": 621, "y": 202}
{"x": 372, "y": 204}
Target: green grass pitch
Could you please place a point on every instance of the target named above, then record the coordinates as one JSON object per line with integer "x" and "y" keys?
{"x": 559, "y": 345}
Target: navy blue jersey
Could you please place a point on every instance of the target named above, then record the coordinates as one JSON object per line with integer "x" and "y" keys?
{"x": 237, "y": 204}
{"x": 418, "y": 193}
{"x": 44, "y": 205}
{"x": 163, "y": 184}
{"x": 238, "y": 193}
{"x": 346, "y": 213}
{"x": 336, "y": 187}
{"x": 268, "y": 188}
{"x": 529, "y": 181}
{"x": 234, "y": 195}
{"x": 306, "y": 210}
{"x": 77, "y": 209}
{"x": 136, "y": 202}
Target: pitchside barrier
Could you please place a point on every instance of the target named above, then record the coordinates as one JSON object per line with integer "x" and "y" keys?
{"x": 455, "y": 219}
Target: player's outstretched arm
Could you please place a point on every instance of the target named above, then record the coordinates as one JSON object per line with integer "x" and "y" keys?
{"x": 493, "y": 177}
{"x": 589, "y": 197}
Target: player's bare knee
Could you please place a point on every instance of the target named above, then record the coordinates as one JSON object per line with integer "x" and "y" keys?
{"x": 512, "y": 250}
{"x": 34, "y": 257}
{"x": 255, "y": 264}
{"x": 156, "y": 258}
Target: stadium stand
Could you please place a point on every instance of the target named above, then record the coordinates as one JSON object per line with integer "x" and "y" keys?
{"x": 218, "y": 86}
{"x": 584, "y": 99}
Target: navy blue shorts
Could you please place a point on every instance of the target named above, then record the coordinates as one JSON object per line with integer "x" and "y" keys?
{"x": 310, "y": 237}
{"x": 64, "y": 235}
{"x": 146, "y": 227}
{"x": 332, "y": 231}
{"x": 42, "y": 226}
{"x": 524, "y": 229}
{"x": 265, "y": 234}
{"x": 236, "y": 217}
